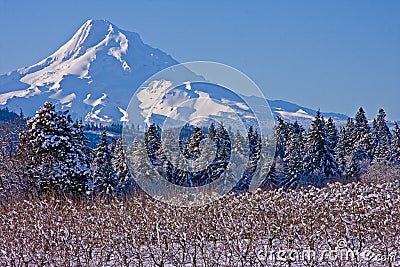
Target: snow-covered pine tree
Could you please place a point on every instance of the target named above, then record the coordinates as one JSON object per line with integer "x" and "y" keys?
{"x": 382, "y": 138}
{"x": 137, "y": 159}
{"x": 281, "y": 131}
{"x": 293, "y": 160}
{"x": 105, "y": 179}
{"x": 191, "y": 149}
{"x": 113, "y": 144}
{"x": 331, "y": 133}
{"x": 348, "y": 140}
{"x": 271, "y": 181}
{"x": 239, "y": 143}
{"x": 362, "y": 137}
{"x": 354, "y": 167}
{"x": 395, "y": 146}
{"x": 130, "y": 151}
{"x": 340, "y": 152}
{"x": 120, "y": 163}
{"x": 152, "y": 140}
{"x": 56, "y": 152}
{"x": 167, "y": 154}
{"x": 319, "y": 159}
{"x": 212, "y": 131}
{"x": 223, "y": 144}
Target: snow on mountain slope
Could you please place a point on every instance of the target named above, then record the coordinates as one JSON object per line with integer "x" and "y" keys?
{"x": 196, "y": 102}
{"x": 94, "y": 74}
{"x": 292, "y": 112}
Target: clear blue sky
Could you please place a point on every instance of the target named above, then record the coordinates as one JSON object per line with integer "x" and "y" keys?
{"x": 333, "y": 55}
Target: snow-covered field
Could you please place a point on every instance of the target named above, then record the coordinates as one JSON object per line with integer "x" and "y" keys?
{"x": 353, "y": 224}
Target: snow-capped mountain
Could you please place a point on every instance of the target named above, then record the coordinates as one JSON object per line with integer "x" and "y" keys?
{"x": 198, "y": 103}
{"x": 97, "y": 71}
{"x": 292, "y": 112}
{"x": 93, "y": 74}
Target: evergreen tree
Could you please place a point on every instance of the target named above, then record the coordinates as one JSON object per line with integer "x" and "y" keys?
{"x": 293, "y": 160}
{"x": 362, "y": 136}
{"x": 349, "y": 139}
{"x": 395, "y": 146}
{"x": 340, "y": 152}
{"x": 382, "y": 138}
{"x": 319, "y": 159}
{"x": 55, "y": 150}
{"x": 223, "y": 144}
{"x": 253, "y": 158}
{"x": 191, "y": 148}
{"x": 281, "y": 134}
{"x": 271, "y": 180}
{"x": 211, "y": 131}
{"x": 354, "y": 167}
{"x": 104, "y": 177}
{"x": 131, "y": 150}
{"x": 119, "y": 162}
{"x": 152, "y": 140}
{"x": 331, "y": 133}
{"x": 113, "y": 144}
{"x": 254, "y": 145}
{"x": 239, "y": 143}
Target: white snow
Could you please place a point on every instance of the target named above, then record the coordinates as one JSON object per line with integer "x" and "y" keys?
{"x": 188, "y": 85}
{"x": 298, "y": 114}
{"x": 94, "y": 68}
{"x": 124, "y": 113}
{"x": 68, "y": 98}
{"x": 102, "y": 66}
{"x": 32, "y": 91}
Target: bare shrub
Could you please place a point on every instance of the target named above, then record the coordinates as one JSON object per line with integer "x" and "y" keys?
{"x": 250, "y": 229}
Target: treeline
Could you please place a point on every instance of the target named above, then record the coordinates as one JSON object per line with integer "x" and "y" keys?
{"x": 325, "y": 152}
{"x": 51, "y": 152}
{"x": 113, "y": 128}
{"x": 227, "y": 147}
{"x": 7, "y": 115}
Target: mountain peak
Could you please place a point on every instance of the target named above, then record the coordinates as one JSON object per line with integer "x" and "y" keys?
{"x": 92, "y": 74}
{"x": 95, "y": 74}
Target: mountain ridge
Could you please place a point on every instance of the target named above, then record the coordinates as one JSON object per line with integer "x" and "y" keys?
{"x": 95, "y": 73}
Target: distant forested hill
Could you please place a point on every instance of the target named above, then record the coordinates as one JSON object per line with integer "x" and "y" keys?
{"x": 6, "y": 115}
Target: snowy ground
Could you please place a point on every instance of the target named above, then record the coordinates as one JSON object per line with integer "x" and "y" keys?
{"x": 337, "y": 223}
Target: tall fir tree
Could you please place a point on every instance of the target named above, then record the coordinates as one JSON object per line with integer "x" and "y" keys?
{"x": 362, "y": 136}
{"x": 349, "y": 139}
{"x": 281, "y": 132}
{"x": 120, "y": 163}
{"x": 395, "y": 146}
{"x": 212, "y": 131}
{"x": 105, "y": 179}
{"x": 239, "y": 143}
{"x": 382, "y": 138}
{"x": 319, "y": 159}
{"x": 331, "y": 133}
{"x": 152, "y": 140}
{"x": 354, "y": 166}
{"x": 340, "y": 152}
{"x": 56, "y": 151}
{"x": 271, "y": 180}
{"x": 113, "y": 144}
{"x": 293, "y": 160}
{"x": 191, "y": 148}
